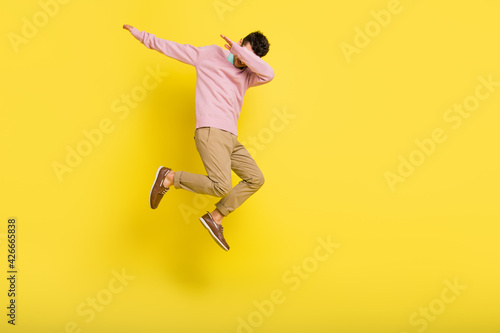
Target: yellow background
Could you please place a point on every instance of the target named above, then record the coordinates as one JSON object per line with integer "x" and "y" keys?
{"x": 324, "y": 170}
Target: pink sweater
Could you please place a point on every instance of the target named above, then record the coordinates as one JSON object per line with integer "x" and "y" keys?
{"x": 220, "y": 86}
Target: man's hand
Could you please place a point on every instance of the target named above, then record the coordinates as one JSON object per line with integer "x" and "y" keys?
{"x": 127, "y": 27}
{"x": 230, "y": 42}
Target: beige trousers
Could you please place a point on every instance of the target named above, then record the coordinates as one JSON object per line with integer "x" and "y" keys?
{"x": 221, "y": 152}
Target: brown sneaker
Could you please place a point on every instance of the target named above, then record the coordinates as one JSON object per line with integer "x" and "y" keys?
{"x": 215, "y": 230}
{"x": 158, "y": 190}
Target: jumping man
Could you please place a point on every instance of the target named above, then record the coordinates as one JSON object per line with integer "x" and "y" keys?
{"x": 223, "y": 76}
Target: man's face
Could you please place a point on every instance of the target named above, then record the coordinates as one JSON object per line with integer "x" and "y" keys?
{"x": 237, "y": 62}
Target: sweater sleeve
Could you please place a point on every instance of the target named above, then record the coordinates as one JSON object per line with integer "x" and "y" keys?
{"x": 185, "y": 53}
{"x": 261, "y": 71}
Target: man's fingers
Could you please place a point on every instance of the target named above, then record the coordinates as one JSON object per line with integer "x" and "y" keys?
{"x": 230, "y": 42}
{"x": 227, "y": 40}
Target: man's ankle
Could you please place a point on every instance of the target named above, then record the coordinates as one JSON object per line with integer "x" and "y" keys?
{"x": 217, "y": 216}
{"x": 169, "y": 179}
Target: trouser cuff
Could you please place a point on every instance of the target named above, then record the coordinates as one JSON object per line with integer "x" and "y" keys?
{"x": 177, "y": 179}
{"x": 223, "y": 210}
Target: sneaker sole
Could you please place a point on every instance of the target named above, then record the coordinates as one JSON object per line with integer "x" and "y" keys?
{"x": 152, "y": 186}
{"x": 213, "y": 235}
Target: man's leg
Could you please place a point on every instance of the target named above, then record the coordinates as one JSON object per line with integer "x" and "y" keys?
{"x": 251, "y": 176}
{"x": 215, "y": 147}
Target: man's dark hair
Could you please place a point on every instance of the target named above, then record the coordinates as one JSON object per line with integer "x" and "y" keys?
{"x": 259, "y": 43}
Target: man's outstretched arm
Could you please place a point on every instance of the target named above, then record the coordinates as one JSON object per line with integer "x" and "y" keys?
{"x": 261, "y": 73}
{"x": 185, "y": 53}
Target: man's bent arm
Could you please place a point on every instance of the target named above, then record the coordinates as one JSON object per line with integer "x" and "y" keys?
{"x": 261, "y": 73}
{"x": 185, "y": 53}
